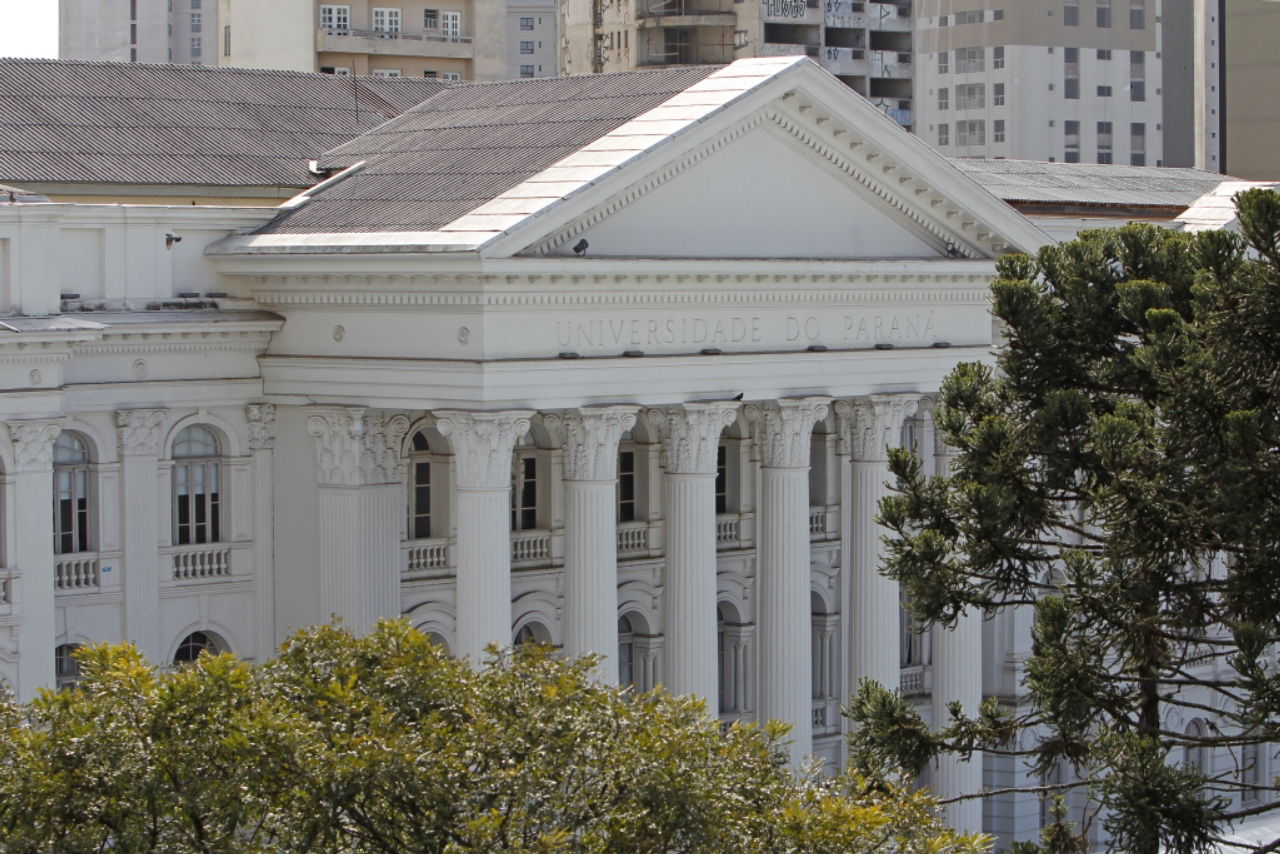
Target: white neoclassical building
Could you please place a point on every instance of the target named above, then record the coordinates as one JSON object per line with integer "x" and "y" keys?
{"x": 611, "y": 363}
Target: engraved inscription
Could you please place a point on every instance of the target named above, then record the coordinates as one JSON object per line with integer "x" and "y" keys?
{"x": 760, "y": 332}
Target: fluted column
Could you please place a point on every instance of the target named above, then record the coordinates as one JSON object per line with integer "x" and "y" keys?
{"x": 690, "y": 437}
{"x": 141, "y": 433}
{"x": 482, "y": 446}
{"x": 262, "y": 443}
{"x": 32, "y": 551}
{"x": 957, "y": 677}
{"x": 361, "y": 473}
{"x": 871, "y": 426}
{"x": 783, "y": 429}
{"x": 590, "y": 438}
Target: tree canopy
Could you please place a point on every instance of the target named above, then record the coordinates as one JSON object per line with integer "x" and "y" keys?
{"x": 385, "y": 745}
{"x": 1119, "y": 472}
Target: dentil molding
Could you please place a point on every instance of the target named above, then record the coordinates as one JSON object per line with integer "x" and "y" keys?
{"x": 784, "y": 429}
{"x": 33, "y": 444}
{"x": 590, "y": 437}
{"x": 691, "y": 434}
{"x": 262, "y": 426}
{"x": 355, "y": 447}
{"x": 141, "y": 431}
{"x": 482, "y": 444}
{"x": 870, "y": 426}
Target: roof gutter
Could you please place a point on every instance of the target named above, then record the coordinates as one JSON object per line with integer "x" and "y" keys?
{"x": 305, "y": 196}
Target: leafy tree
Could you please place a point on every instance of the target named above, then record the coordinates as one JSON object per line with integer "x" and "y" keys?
{"x": 1119, "y": 473}
{"x": 385, "y": 745}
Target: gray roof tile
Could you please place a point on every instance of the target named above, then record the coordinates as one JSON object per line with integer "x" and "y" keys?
{"x": 126, "y": 123}
{"x": 472, "y": 142}
{"x": 1039, "y": 182}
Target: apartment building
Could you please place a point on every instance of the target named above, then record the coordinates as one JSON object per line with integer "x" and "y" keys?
{"x": 531, "y": 39}
{"x": 448, "y": 39}
{"x": 1128, "y": 82}
{"x": 869, "y": 46}
{"x": 183, "y": 31}
{"x": 1250, "y": 87}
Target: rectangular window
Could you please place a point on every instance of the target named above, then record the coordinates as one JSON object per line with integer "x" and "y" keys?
{"x": 1104, "y": 54}
{"x": 133, "y": 10}
{"x": 942, "y": 22}
{"x": 1104, "y": 91}
{"x": 1251, "y": 773}
{"x": 431, "y": 74}
{"x": 997, "y": 15}
{"x": 195, "y": 4}
{"x": 970, "y": 59}
{"x": 722, "y": 479}
{"x": 71, "y": 506}
{"x": 997, "y": 95}
{"x": 526, "y": 47}
{"x": 971, "y": 96}
{"x": 1071, "y": 143}
{"x": 1137, "y": 144}
{"x": 342, "y": 72}
{"x": 1104, "y": 14}
{"x": 526, "y": 71}
{"x": 971, "y": 132}
{"x": 196, "y": 503}
{"x": 1137, "y": 14}
{"x": 197, "y": 22}
{"x": 197, "y": 46}
{"x": 968, "y": 18}
{"x": 627, "y": 486}
{"x": 431, "y": 19}
{"x": 226, "y": 40}
{"x": 944, "y": 135}
{"x": 451, "y": 24}
{"x": 420, "y": 522}
{"x": 944, "y": 98}
{"x": 997, "y": 130}
{"x": 997, "y": 57}
{"x": 386, "y": 72}
{"x": 335, "y": 17}
{"x": 386, "y": 20}
{"x": 1071, "y": 71}
{"x": 942, "y": 62}
{"x": 1137, "y": 75}
{"x": 524, "y": 493}
{"x": 1071, "y": 13}
{"x": 526, "y": 23}
{"x": 450, "y": 75}
{"x": 1104, "y": 142}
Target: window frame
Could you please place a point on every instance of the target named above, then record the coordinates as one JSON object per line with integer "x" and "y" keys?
{"x": 421, "y": 459}
{"x": 525, "y": 514}
{"x": 339, "y": 17}
{"x": 451, "y": 24}
{"x": 212, "y": 645}
{"x": 81, "y": 475}
{"x": 526, "y": 24}
{"x": 944, "y": 134}
{"x": 1104, "y": 20}
{"x": 391, "y": 23}
{"x": 212, "y": 470}
{"x": 997, "y": 95}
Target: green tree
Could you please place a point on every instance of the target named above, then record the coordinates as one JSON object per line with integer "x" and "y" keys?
{"x": 385, "y": 745}
{"x": 1119, "y": 472}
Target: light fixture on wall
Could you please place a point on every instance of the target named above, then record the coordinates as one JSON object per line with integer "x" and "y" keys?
{"x": 170, "y": 239}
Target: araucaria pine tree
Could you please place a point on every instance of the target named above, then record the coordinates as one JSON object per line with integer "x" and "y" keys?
{"x": 1119, "y": 472}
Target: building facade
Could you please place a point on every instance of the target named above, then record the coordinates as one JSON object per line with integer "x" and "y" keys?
{"x": 183, "y": 31}
{"x": 1251, "y": 100}
{"x": 532, "y": 43}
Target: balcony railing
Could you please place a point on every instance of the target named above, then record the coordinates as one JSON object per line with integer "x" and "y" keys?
{"x": 530, "y": 548}
{"x": 76, "y": 573}
{"x": 633, "y": 537}
{"x": 201, "y": 563}
{"x": 728, "y": 528}
{"x": 8, "y": 590}
{"x": 426, "y": 556}
{"x": 399, "y": 34}
{"x": 826, "y": 716}
{"x": 915, "y": 681}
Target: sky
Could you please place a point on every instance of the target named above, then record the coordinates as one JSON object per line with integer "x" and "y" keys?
{"x": 30, "y": 28}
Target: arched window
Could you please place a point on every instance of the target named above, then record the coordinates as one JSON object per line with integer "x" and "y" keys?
{"x": 420, "y": 489}
{"x": 66, "y": 668}
{"x": 1192, "y": 751}
{"x": 533, "y": 632}
{"x": 193, "y": 645}
{"x": 438, "y": 639}
{"x": 626, "y": 652}
{"x": 70, "y": 495}
{"x": 524, "y": 486}
{"x": 197, "y": 499}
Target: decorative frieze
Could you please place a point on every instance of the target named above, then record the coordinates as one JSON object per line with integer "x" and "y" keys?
{"x": 33, "y": 444}
{"x": 482, "y": 444}
{"x": 784, "y": 429}
{"x": 870, "y": 426}
{"x": 141, "y": 431}
{"x": 590, "y": 438}
{"x": 691, "y": 434}
{"x": 355, "y": 447}
{"x": 262, "y": 426}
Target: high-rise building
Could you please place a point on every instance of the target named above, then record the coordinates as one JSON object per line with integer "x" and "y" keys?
{"x": 867, "y": 45}
{"x": 182, "y": 31}
{"x": 531, "y": 38}
{"x": 1078, "y": 81}
{"x": 1250, "y": 88}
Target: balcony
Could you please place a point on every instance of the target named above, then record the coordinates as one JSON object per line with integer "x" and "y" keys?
{"x": 420, "y": 44}
{"x": 889, "y": 18}
{"x": 826, "y": 716}
{"x": 810, "y": 50}
{"x": 193, "y": 564}
{"x": 894, "y": 109}
{"x": 9, "y": 605}
{"x": 685, "y": 13}
{"x": 916, "y": 681}
{"x": 77, "y": 573}
{"x": 531, "y": 549}
{"x": 426, "y": 559}
{"x": 892, "y": 64}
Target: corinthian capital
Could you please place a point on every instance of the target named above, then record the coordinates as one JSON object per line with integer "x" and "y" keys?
{"x": 590, "y": 438}
{"x": 355, "y": 447}
{"x": 691, "y": 434}
{"x": 870, "y": 426}
{"x": 784, "y": 429}
{"x": 482, "y": 444}
{"x": 141, "y": 431}
{"x": 33, "y": 444}
{"x": 262, "y": 426}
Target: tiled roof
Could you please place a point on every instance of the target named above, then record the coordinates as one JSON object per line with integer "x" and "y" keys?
{"x": 471, "y": 143}
{"x": 1034, "y": 181}
{"x": 125, "y": 123}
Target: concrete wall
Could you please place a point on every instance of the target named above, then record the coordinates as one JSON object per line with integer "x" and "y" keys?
{"x": 98, "y": 30}
{"x": 1252, "y": 89}
{"x": 268, "y": 34}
